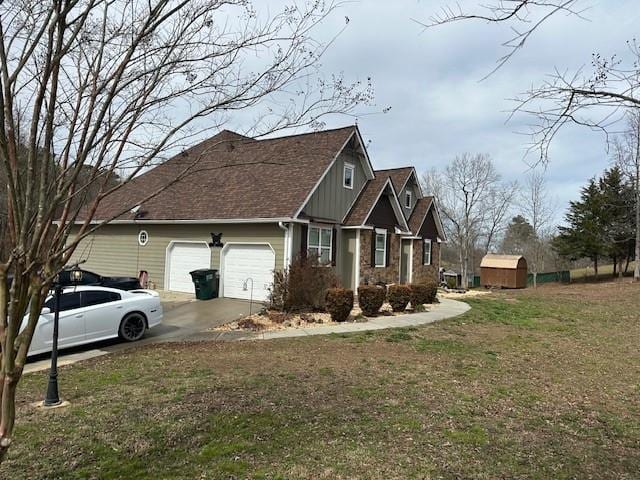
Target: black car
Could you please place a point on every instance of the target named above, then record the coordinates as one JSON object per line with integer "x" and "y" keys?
{"x": 93, "y": 279}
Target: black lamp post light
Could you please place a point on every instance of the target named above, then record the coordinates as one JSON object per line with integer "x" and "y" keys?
{"x": 52, "y": 398}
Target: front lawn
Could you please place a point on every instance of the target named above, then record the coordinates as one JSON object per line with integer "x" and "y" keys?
{"x": 530, "y": 384}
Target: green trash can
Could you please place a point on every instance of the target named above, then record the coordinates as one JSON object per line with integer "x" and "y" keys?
{"x": 207, "y": 282}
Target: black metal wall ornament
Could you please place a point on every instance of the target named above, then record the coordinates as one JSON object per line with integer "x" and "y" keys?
{"x": 216, "y": 240}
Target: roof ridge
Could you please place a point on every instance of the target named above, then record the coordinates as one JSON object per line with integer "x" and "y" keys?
{"x": 307, "y": 133}
{"x": 394, "y": 168}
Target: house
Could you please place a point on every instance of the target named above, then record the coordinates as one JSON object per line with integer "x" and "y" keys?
{"x": 267, "y": 201}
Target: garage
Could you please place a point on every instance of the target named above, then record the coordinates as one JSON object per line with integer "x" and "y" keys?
{"x": 182, "y": 258}
{"x": 241, "y": 262}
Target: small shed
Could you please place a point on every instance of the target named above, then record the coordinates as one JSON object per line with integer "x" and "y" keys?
{"x": 503, "y": 271}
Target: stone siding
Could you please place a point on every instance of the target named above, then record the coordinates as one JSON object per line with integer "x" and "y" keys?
{"x": 372, "y": 275}
{"x": 423, "y": 272}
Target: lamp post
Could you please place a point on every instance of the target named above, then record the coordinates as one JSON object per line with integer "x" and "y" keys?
{"x": 52, "y": 398}
{"x": 244, "y": 288}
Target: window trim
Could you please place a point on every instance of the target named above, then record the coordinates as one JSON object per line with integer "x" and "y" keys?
{"x": 320, "y": 247}
{"x": 424, "y": 250}
{"x": 352, "y": 167}
{"x": 408, "y": 198}
{"x": 142, "y": 242}
{"x": 384, "y": 233}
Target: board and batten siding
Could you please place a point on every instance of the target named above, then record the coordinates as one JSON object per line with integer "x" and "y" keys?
{"x": 114, "y": 249}
{"x": 413, "y": 188}
{"x": 331, "y": 200}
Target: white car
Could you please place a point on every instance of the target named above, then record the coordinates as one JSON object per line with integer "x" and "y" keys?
{"x": 90, "y": 314}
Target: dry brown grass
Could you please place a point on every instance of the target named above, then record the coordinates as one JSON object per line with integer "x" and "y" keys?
{"x": 529, "y": 384}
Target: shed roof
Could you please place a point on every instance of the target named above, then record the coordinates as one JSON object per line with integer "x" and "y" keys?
{"x": 501, "y": 261}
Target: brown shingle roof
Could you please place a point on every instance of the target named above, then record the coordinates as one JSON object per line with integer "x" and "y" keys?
{"x": 362, "y": 206}
{"x": 233, "y": 177}
{"x": 364, "y": 203}
{"x": 419, "y": 213}
{"x": 399, "y": 176}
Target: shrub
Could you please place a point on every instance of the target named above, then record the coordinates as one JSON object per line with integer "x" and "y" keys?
{"x": 339, "y": 303}
{"x": 423, "y": 292}
{"x": 303, "y": 286}
{"x": 399, "y": 296}
{"x": 432, "y": 290}
{"x": 370, "y": 299}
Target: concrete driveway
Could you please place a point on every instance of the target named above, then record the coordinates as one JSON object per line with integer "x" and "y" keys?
{"x": 183, "y": 320}
{"x": 190, "y": 321}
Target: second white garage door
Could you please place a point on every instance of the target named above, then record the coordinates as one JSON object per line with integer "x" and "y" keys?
{"x": 248, "y": 261}
{"x": 184, "y": 257}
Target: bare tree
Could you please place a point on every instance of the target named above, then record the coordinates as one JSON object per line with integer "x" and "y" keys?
{"x": 94, "y": 88}
{"x": 539, "y": 209}
{"x": 595, "y": 98}
{"x": 499, "y": 205}
{"x": 524, "y": 18}
{"x": 626, "y": 153}
{"x": 473, "y": 201}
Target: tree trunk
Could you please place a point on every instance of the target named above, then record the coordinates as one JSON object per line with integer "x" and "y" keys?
{"x": 535, "y": 278}
{"x": 9, "y": 384}
{"x": 615, "y": 265}
{"x": 620, "y": 267}
{"x": 595, "y": 267}
{"x": 636, "y": 270}
{"x": 626, "y": 262}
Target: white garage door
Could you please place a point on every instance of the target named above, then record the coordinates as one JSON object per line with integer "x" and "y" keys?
{"x": 248, "y": 261}
{"x": 185, "y": 257}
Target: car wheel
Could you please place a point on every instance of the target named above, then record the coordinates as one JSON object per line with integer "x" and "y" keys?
{"x": 132, "y": 327}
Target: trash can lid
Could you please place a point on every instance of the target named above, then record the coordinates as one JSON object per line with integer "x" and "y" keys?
{"x": 203, "y": 271}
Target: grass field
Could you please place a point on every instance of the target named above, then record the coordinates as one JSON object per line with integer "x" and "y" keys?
{"x": 528, "y": 384}
{"x": 603, "y": 270}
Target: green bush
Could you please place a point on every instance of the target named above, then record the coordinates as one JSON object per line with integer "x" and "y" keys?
{"x": 339, "y": 303}
{"x": 303, "y": 286}
{"x": 423, "y": 292}
{"x": 399, "y": 297}
{"x": 370, "y": 299}
{"x": 432, "y": 287}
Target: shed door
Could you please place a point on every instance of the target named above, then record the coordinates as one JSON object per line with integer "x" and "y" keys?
{"x": 244, "y": 262}
{"x": 185, "y": 257}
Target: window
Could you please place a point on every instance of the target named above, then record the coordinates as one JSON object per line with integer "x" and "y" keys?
{"x": 97, "y": 297}
{"x": 381, "y": 248}
{"x": 143, "y": 238}
{"x": 349, "y": 173}
{"x": 408, "y": 199}
{"x": 426, "y": 252}
{"x": 68, "y": 301}
{"x": 319, "y": 243}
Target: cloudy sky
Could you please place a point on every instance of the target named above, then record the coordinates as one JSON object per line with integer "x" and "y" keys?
{"x": 439, "y": 106}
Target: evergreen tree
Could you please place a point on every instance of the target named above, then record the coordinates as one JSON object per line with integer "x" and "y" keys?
{"x": 600, "y": 223}
{"x": 583, "y": 237}
{"x": 518, "y": 237}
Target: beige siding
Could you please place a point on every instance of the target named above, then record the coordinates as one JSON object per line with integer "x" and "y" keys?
{"x": 114, "y": 250}
{"x": 331, "y": 201}
{"x": 346, "y": 261}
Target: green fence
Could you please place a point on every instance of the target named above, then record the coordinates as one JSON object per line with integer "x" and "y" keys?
{"x": 563, "y": 276}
